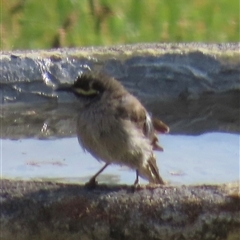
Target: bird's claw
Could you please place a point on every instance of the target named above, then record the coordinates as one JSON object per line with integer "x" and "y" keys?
{"x": 92, "y": 183}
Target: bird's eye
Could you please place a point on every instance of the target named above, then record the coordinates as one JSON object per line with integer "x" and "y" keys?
{"x": 86, "y": 92}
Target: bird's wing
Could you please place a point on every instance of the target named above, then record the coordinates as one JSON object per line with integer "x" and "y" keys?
{"x": 130, "y": 108}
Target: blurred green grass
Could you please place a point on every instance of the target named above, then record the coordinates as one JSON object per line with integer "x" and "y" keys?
{"x": 31, "y": 24}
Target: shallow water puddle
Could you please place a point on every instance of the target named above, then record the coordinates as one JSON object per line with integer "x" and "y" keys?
{"x": 211, "y": 158}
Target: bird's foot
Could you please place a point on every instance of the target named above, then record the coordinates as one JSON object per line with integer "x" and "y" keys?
{"x": 136, "y": 186}
{"x": 92, "y": 183}
{"x": 136, "y": 182}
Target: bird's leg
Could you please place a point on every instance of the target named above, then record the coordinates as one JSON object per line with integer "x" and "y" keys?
{"x": 92, "y": 182}
{"x": 136, "y": 183}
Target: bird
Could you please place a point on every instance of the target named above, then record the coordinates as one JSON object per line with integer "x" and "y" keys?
{"x": 114, "y": 126}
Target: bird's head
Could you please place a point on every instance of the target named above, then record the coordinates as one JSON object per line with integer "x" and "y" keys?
{"x": 92, "y": 87}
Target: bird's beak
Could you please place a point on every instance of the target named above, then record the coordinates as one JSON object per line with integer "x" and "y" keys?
{"x": 65, "y": 87}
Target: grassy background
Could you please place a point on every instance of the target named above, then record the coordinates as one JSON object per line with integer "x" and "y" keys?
{"x": 33, "y": 24}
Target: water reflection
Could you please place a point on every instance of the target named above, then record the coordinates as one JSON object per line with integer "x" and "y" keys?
{"x": 209, "y": 158}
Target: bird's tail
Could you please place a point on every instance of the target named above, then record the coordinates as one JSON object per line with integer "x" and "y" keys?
{"x": 150, "y": 171}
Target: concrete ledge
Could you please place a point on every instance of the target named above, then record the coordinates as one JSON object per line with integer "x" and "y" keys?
{"x": 44, "y": 210}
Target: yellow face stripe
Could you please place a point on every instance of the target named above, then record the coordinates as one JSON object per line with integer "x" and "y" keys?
{"x": 89, "y": 92}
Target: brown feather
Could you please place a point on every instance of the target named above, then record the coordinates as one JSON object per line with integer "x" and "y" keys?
{"x": 155, "y": 144}
{"x": 130, "y": 108}
{"x": 159, "y": 126}
{"x": 154, "y": 170}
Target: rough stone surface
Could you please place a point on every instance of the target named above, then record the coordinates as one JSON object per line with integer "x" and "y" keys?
{"x": 45, "y": 210}
{"x": 192, "y": 87}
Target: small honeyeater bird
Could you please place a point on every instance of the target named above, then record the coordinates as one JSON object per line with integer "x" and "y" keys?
{"x": 115, "y": 127}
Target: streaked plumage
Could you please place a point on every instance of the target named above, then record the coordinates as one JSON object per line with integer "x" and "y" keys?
{"x": 115, "y": 127}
